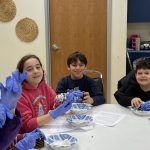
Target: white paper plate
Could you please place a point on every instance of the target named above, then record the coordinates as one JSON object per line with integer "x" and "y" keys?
{"x": 80, "y": 120}
{"x": 61, "y": 141}
{"x": 140, "y": 112}
{"x": 80, "y": 108}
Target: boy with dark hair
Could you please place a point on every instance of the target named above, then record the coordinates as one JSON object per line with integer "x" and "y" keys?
{"x": 134, "y": 89}
{"x": 77, "y": 63}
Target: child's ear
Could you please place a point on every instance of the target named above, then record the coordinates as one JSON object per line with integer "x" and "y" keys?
{"x": 68, "y": 68}
{"x": 85, "y": 68}
{"x": 136, "y": 75}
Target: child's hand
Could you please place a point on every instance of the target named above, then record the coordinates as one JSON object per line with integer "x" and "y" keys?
{"x": 87, "y": 98}
{"x": 63, "y": 108}
{"x": 136, "y": 102}
{"x": 76, "y": 96}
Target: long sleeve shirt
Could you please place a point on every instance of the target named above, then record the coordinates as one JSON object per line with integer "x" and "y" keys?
{"x": 35, "y": 102}
{"x": 85, "y": 84}
{"x": 128, "y": 89}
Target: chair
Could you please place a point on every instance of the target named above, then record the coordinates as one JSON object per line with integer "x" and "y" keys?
{"x": 97, "y": 76}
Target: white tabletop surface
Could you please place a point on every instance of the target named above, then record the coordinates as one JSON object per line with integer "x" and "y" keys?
{"x": 131, "y": 133}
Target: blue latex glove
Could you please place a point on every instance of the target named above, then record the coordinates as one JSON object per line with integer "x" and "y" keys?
{"x": 64, "y": 107}
{"x": 28, "y": 142}
{"x": 145, "y": 106}
{"x": 37, "y": 130}
{"x": 78, "y": 95}
{"x": 4, "y": 113}
{"x": 11, "y": 93}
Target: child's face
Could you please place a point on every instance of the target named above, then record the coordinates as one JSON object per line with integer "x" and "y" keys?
{"x": 34, "y": 70}
{"x": 76, "y": 70}
{"x": 143, "y": 77}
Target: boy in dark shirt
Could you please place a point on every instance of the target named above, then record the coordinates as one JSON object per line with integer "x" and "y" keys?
{"x": 76, "y": 63}
{"x": 134, "y": 89}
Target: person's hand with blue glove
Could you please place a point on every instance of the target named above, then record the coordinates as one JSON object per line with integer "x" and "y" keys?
{"x": 78, "y": 95}
{"x": 37, "y": 130}
{"x": 28, "y": 142}
{"x": 4, "y": 113}
{"x": 64, "y": 107}
{"x": 11, "y": 93}
{"x": 145, "y": 106}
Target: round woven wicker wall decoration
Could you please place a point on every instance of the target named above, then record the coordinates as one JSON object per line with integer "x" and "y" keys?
{"x": 7, "y": 10}
{"x": 26, "y": 30}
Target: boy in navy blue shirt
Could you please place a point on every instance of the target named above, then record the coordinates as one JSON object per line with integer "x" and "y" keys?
{"x": 77, "y": 63}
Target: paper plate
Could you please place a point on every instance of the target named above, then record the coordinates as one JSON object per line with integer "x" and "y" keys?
{"x": 140, "y": 112}
{"x": 80, "y": 120}
{"x": 80, "y": 108}
{"x": 61, "y": 141}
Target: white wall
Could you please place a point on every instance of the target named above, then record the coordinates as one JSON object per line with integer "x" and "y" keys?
{"x": 11, "y": 48}
{"x": 117, "y": 34}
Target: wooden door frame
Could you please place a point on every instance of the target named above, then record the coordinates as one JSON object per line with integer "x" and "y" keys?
{"x": 48, "y": 44}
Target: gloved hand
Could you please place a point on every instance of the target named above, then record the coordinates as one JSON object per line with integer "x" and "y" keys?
{"x": 37, "y": 130}
{"x": 13, "y": 83}
{"x": 64, "y": 107}
{"x": 77, "y": 95}
{"x": 145, "y": 106}
{"x": 28, "y": 142}
{"x": 11, "y": 93}
{"x": 4, "y": 113}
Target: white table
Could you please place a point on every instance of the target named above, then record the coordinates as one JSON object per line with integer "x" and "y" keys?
{"x": 131, "y": 133}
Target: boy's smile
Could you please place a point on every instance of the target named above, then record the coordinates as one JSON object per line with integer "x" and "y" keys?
{"x": 143, "y": 78}
{"x": 76, "y": 70}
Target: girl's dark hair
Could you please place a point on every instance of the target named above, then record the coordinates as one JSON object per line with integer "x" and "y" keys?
{"x": 20, "y": 65}
{"x": 74, "y": 57}
{"x": 143, "y": 64}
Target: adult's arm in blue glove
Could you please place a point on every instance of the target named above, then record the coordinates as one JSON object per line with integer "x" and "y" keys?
{"x": 13, "y": 82}
{"x": 64, "y": 107}
{"x": 4, "y": 113}
{"x": 28, "y": 142}
{"x": 145, "y": 106}
{"x": 11, "y": 93}
{"x": 37, "y": 130}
